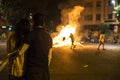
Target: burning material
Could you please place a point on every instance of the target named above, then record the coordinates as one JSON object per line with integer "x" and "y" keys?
{"x": 63, "y": 38}
{"x": 70, "y": 18}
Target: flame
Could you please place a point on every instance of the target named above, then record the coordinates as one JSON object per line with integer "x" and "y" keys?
{"x": 70, "y": 18}
{"x": 63, "y": 38}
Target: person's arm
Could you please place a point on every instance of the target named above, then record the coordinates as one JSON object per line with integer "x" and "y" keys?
{"x": 9, "y": 44}
{"x": 23, "y": 49}
{"x": 49, "y": 56}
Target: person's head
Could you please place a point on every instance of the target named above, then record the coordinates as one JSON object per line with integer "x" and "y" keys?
{"x": 22, "y": 27}
{"x": 38, "y": 20}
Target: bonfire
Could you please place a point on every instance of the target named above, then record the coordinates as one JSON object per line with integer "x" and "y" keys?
{"x": 71, "y": 17}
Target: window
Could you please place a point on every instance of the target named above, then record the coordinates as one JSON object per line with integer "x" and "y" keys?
{"x": 109, "y": 16}
{"x": 98, "y": 17}
{"x": 88, "y": 17}
{"x": 110, "y": 4}
{"x": 98, "y": 4}
{"x": 88, "y": 4}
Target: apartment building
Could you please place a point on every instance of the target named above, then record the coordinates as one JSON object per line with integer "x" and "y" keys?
{"x": 98, "y": 11}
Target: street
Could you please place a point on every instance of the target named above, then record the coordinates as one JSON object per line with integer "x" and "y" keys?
{"x": 86, "y": 63}
{"x": 83, "y": 63}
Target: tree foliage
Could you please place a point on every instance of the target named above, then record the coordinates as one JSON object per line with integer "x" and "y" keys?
{"x": 117, "y": 8}
{"x": 117, "y": 12}
{"x": 22, "y": 8}
{"x": 104, "y": 27}
{"x": 15, "y": 9}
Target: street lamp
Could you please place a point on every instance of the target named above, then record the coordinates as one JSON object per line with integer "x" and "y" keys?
{"x": 113, "y": 2}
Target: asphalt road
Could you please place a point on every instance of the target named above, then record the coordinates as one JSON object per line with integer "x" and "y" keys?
{"x": 86, "y": 63}
{"x": 83, "y": 63}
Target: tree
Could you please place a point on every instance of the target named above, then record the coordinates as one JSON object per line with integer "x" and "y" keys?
{"x": 15, "y": 9}
{"x": 12, "y": 10}
{"x": 104, "y": 27}
{"x": 117, "y": 12}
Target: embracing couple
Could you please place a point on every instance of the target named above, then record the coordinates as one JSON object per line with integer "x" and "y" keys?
{"x": 30, "y": 50}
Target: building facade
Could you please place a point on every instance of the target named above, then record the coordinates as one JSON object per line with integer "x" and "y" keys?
{"x": 98, "y": 11}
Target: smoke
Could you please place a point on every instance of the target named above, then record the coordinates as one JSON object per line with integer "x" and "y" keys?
{"x": 71, "y": 16}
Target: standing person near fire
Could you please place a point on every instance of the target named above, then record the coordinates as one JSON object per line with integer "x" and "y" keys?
{"x": 101, "y": 40}
{"x": 72, "y": 41}
{"x": 38, "y": 51}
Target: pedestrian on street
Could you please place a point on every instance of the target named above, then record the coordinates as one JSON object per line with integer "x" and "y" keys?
{"x": 101, "y": 40}
{"x": 72, "y": 41}
{"x": 3, "y": 36}
{"x": 38, "y": 51}
{"x": 14, "y": 42}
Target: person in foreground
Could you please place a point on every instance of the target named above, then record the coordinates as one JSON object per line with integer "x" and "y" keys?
{"x": 14, "y": 42}
{"x": 38, "y": 50}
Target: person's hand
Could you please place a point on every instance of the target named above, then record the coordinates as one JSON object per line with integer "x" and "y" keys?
{"x": 13, "y": 54}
